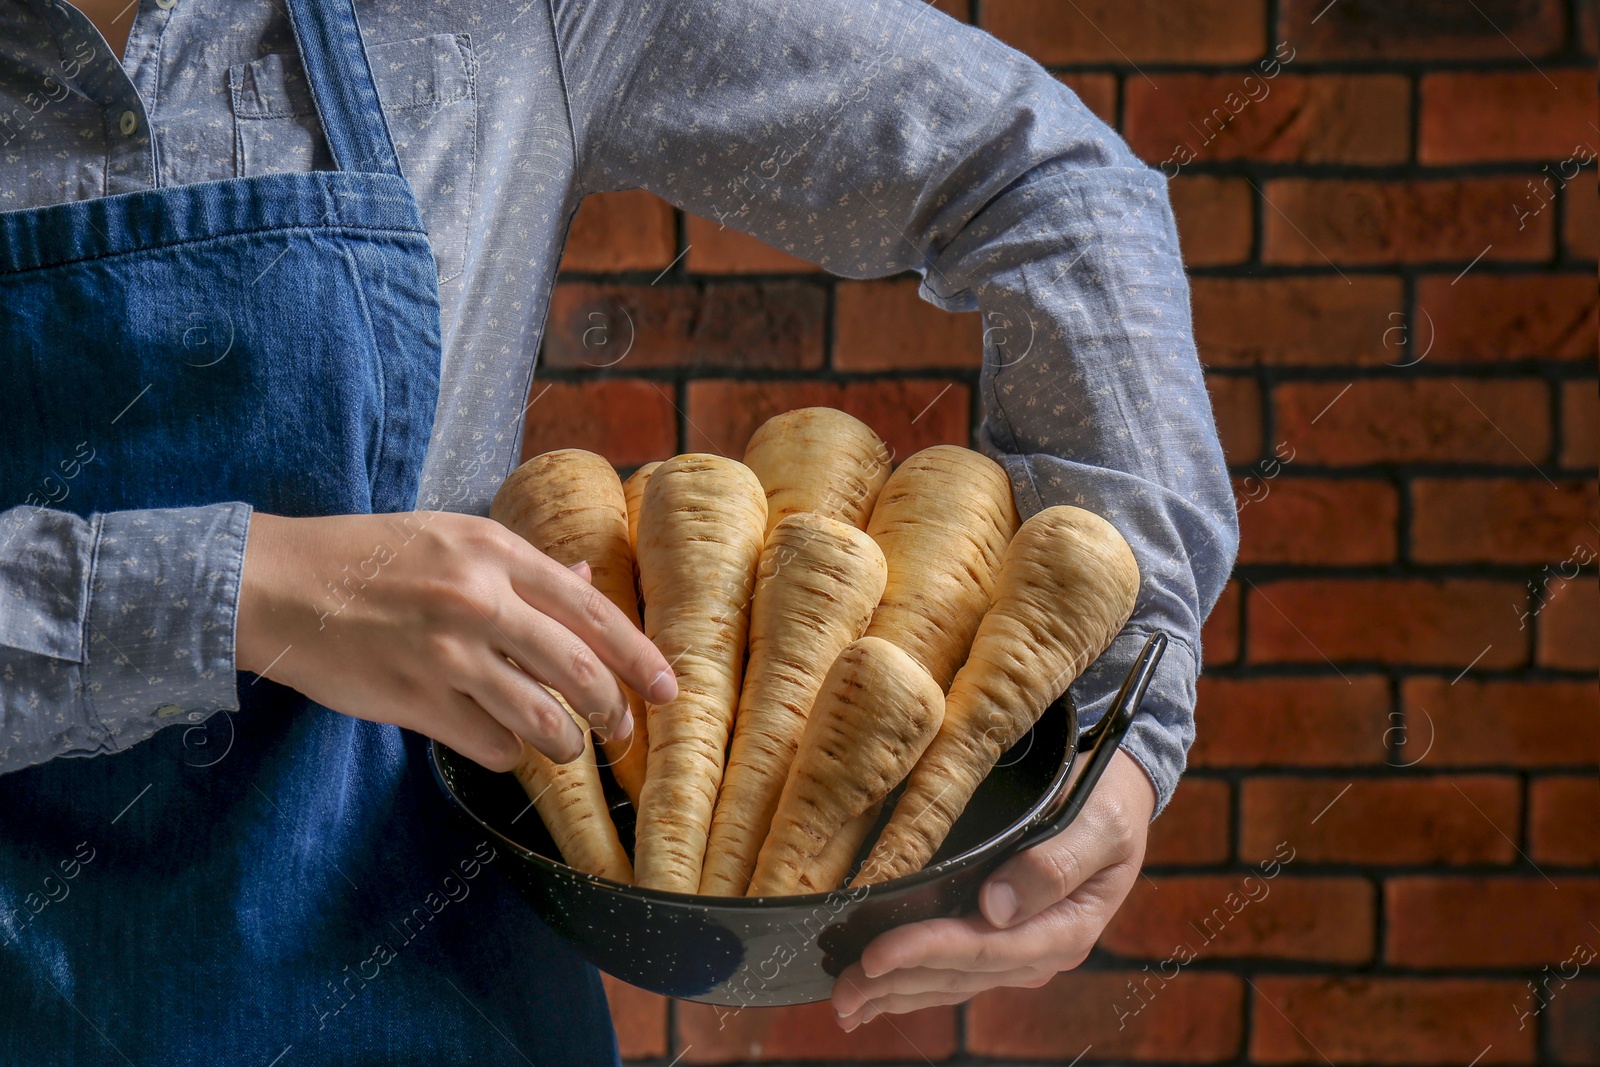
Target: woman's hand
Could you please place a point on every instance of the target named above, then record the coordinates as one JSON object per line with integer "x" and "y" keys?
{"x": 441, "y": 623}
{"x": 1042, "y": 912}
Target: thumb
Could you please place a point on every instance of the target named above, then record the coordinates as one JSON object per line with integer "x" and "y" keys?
{"x": 1046, "y": 874}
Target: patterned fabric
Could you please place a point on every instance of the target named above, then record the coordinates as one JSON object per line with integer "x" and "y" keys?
{"x": 868, "y": 136}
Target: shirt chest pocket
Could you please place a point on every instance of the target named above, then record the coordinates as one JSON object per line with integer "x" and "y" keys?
{"x": 428, "y": 89}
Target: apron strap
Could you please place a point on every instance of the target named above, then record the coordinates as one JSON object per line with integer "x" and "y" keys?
{"x": 335, "y": 61}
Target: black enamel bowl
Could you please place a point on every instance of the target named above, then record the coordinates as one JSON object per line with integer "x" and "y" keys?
{"x": 763, "y": 951}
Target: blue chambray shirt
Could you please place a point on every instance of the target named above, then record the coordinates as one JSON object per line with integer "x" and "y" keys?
{"x": 870, "y": 137}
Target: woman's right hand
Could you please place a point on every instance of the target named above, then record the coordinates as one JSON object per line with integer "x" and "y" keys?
{"x": 416, "y": 619}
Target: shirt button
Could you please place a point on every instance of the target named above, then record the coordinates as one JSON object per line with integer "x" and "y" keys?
{"x": 166, "y": 5}
{"x": 167, "y": 711}
{"x": 129, "y": 123}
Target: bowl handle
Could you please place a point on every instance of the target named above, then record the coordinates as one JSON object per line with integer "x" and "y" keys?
{"x": 1101, "y": 740}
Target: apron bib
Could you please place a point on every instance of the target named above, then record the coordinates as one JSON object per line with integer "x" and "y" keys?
{"x": 283, "y": 885}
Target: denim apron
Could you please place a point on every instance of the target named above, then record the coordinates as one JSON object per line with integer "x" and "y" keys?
{"x": 282, "y": 885}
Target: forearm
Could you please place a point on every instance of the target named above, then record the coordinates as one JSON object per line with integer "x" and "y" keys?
{"x": 877, "y": 137}
{"x": 114, "y": 626}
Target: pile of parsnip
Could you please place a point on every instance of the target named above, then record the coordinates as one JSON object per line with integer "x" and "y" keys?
{"x": 835, "y": 630}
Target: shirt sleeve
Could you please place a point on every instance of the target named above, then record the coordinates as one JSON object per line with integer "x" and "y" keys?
{"x": 873, "y": 137}
{"x": 114, "y": 626}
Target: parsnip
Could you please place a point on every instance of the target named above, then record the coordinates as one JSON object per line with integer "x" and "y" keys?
{"x": 818, "y": 460}
{"x": 633, "y": 491}
{"x": 826, "y": 873}
{"x": 569, "y": 504}
{"x": 818, "y": 582}
{"x": 875, "y": 714}
{"x": 701, "y": 527}
{"x": 572, "y": 803}
{"x": 1066, "y": 587}
{"x": 943, "y": 521}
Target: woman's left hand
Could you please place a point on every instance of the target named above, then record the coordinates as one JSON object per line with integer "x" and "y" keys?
{"x": 1042, "y": 912}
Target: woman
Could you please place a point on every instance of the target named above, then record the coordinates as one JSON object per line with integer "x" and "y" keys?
{"x": 271, "y": 285}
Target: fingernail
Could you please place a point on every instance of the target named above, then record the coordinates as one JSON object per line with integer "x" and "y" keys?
{"x": 581, "y": 568}
{"x": 870, "y": 1014}
{"x": 1002, "y": 903}
{"x": 870, "y": 973}
{"x": 663, "y": 687}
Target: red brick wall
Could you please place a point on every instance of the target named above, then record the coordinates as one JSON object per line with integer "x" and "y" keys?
{"x": 1401, "y": 681}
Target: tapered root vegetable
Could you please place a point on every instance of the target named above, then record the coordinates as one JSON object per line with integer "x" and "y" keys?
{"x": 943, "y": 521}
{"x": 817, "y": 584}
{"x": 633, "y": 492}
{"x": 827, "y": 872}
{"x": 1066, "y": 587}
{"x": 701, "y": 527}
{"x": 875, "y": 714}
{"x": 572, "y": 803}
{"x": 569, "y": 504}
{"x": 819, "y": 460}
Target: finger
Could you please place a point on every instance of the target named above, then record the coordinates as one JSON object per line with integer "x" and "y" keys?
{"x": 584, "y": 610}
{"x": 582, "y": 570}
{"x": 854, "y": 990}
{"x": 1036, "y": 878}
{"x": 562, "y": 661}
{"x": 1059, "y": 937}
{"x": 526, "y": 708}
{"x": 898, "y": 1005}
{"x": 462, "y": 724}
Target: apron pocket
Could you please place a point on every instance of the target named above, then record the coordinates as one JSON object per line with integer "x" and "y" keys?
{"x": 428, "y": 89}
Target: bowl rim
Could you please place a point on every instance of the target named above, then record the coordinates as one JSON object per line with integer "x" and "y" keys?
{"x": 1052, "y": 797}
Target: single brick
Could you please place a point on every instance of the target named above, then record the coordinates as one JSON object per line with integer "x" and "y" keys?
{"x": 709, "y": 1033}
{"x": 1414, "y": 30}
{"x": 1219, "y": 637}
{"x": 1564, "y": 820}
{"x": 625, "y": 420}
{"x": 1291, "y": 322}
{"x": 1317, "y": 1019}
{"x": 1315, "y": 520}
{"x": 1472, "y": 723}
{"x": 1217, "y": 916}
{"x": 1129, "y": 31}
{"x": 718, "y": 249}
{"x": 1416, "y": 420}
{"x": 640, "y": 1019}
{"x": 1568, "y": 618}
{"x": 1583, "y": 220}
{"x": 1514, "y": 921}
{"x": 887, "y": 326}
{"x": 1434, "y": 820}
{"x": 629, "y": 230}
{"x": 1152, "y": 1014}
{"x": 1487, "y": 317}
{"x": 1518, "y": 114}
{"x": 1501, "y": 520}
{"x": 1292, "y": 722}
{"x": 1324, "y": 118}
{"x": 775, "y": 325}
{"x": 1317, "y": 221}
{"x": 1194, "y": 827}
{"x": 908, "y": 413}
{"x": 1236, "y": 405}
{"x": 1414, "y": 621}
{"x": 1580, "y": 424}
{"x": 1216, "y": 223}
